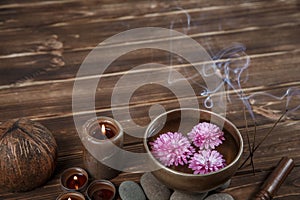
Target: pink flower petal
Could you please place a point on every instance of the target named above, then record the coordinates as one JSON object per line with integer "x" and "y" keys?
{"x": 206, "y": 135}
{"x": 207, "y": 161}
{"x": 172, "y": 149}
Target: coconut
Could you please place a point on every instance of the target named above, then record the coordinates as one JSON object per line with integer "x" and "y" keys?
{"x": 28, "y": 153}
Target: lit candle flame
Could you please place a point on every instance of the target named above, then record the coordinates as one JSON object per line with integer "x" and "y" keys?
{"x": 76, "y": 182}
{"x": 69, "y": 198}
{"x": 103, "y": 129}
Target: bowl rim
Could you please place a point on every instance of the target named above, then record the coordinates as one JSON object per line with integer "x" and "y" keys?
{"x": 236, "y": 159}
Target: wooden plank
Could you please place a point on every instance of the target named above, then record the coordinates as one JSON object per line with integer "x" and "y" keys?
{"x": 61, "y": 91}
{"x": 110, "y": 11}
{"x": 53, "y": 61}
{"x": 75, "y": 37}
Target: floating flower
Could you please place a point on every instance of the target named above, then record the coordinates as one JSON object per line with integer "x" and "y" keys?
{"x": 206, "y": 135}
{"x": 207, "y": 161}
{"x": 172, "y": 149}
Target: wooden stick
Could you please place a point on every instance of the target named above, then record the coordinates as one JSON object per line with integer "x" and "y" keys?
{"x": 276, "y": 178}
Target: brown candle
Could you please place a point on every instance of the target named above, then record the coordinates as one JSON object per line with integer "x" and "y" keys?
{"x": 73, "y": 179}
{"x": 104, "y": 138}
{"x": 101, "y": 190}
{"x": 104, "y": 131}
{"x": 76, "y": 181}
{"x": 70, "y": 196}
{"x": 276, "y": 178}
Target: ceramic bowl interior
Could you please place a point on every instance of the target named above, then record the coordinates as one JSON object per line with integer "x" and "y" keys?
{"x": 181, "y": 178}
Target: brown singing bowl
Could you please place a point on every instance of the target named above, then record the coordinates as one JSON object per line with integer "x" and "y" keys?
{"x": 181, "y": 178}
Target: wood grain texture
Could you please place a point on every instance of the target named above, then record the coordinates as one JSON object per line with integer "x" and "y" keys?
{"x": 43, "y": 44}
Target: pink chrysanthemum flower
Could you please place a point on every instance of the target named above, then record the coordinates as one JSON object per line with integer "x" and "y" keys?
{"x": 172, "y": 149}
{"x": 207, "y": 161}
{"x": 206, "y": 135}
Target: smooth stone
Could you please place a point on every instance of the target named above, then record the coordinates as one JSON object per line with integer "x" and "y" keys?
{"x": 130, "y": 190}
{"x": 184, "y": 196}
{"x": 219, "y": 196}
{"x": 154, "y": 189}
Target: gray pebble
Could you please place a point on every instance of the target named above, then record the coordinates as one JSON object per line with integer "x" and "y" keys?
{"x": 184, "y": 196}
{"x": 153, "y": 189}
{"x": 130, "y": 190}
{"x": 219, "y": 196}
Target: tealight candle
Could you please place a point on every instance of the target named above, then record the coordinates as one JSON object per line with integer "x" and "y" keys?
{"x": 71, "y": 196}
{"x": 74, "y": 179}
{"x": 101, "y": 190}
{"x": 104, "y": 138}
{"x": 106, "y": 131}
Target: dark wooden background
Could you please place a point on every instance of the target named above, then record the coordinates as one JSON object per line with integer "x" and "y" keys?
{"x": 43, "y": 44}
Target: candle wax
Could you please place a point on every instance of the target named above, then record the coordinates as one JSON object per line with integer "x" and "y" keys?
{"x": 76, "y": 181}
{"x": 102, "y": 194}
{"x": 98, "y": 133}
